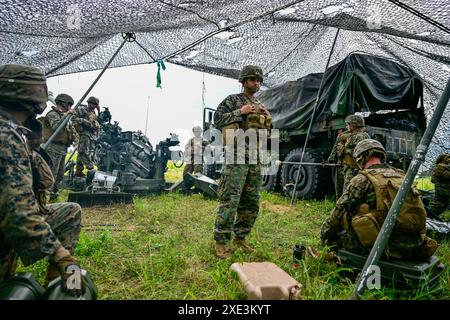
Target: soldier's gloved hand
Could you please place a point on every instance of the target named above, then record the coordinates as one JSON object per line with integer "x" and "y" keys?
{"x": 72, "y": 282}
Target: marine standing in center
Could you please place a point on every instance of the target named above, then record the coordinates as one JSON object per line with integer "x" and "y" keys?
{"x": 240, "y": 183}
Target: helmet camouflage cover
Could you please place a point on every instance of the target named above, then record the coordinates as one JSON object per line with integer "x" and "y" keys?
{"x": 23, "y": 87}
{"x": 368, "y": 147}
{"x": 93, "y": 100}
{"x": 65, "y": 98}
{"x": 250, "y": 71}
{"x": 355, "y": 120}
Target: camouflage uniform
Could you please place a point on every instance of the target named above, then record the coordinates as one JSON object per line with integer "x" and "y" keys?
{"x": 441, "y": 180}
{"x": 240, "y": 183}
{"x": 57, "y": 149}
{"x": 334, "y": 158}
{"x": 26, "y": 231}
{"x": 194, "y": 155}
{"x": 359, "y": 198}
{"x": 85, "y": 122}
{"x": 343, "y": 150}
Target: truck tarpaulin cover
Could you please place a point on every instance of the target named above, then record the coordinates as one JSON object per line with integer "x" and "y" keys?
{"x": 359, "y": 83}
{"x": 288, "y": 39}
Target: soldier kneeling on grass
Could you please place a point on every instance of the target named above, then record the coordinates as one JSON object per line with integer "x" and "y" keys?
{"x": 29, "y": 228}
{"x": 360, "y": 212}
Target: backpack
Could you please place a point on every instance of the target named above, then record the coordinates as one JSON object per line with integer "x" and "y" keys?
{"x": 412, "y": 216}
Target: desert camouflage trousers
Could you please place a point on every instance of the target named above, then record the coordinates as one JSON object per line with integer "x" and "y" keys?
{"x": 238, "y": 201}
{"x": 441, "y": 198}
{"x": 57, "y": 153}
{"x": 85, "y": 150}
{"x": 65, "y": 221}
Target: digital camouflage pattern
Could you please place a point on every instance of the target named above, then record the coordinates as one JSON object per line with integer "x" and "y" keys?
{"x": 57, "y": 149}
{"x": 24, "y": 86}
{"x": 24, "y": 231}
{"x": 250, "y": 71}
{"x": 358, "y": 199}
{"x": 85, "y": 122}
{"x": 238, "y": 201}
{"x": 240, "y": 183}
{"x": 441, "y": 180}
{"x": 355, "y": 120}
{"x": 228, "y": 117}
{"x": 342, "y": 153}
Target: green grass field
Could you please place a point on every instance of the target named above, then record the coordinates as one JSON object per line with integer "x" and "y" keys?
{"x": 162, "y": 247}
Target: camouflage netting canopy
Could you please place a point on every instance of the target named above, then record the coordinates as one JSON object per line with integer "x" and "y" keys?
{"x": 288, "y": 39}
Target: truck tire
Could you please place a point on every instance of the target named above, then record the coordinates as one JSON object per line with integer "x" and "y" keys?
{"x": 312, "y": 183}
{"x": 271, "y": 182}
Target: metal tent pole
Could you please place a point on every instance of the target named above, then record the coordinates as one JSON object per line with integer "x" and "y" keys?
{"x": 312, "y": 116}
{"x": 391, "y": 218}
{"x": 127, "y": 37}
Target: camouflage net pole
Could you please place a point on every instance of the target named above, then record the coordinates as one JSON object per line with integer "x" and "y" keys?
{"x": 391, "y": 218}
{"x": 312, "y": 116}
{"x": 127, "y": 37}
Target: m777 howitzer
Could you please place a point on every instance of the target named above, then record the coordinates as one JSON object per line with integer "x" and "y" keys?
{"x": 127, "y": 164}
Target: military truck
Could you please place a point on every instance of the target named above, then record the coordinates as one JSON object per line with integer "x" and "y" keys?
{"x": 387, "y": 94}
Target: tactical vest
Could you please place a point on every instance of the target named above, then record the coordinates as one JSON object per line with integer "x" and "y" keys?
{"x": 255, "y": 120}
{"x": 411, "y": 219}
{"x": 346, "y": 158}
{"x": 64, "y": 137}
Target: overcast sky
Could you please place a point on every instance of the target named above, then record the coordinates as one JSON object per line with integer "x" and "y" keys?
{"x": 176, "y": 108}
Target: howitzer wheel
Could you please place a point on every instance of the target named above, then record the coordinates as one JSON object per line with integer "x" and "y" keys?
{"x": 312, "y": 183}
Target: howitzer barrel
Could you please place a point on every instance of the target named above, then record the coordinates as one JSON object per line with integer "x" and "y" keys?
{"x": 65, "y": 119}
{"x": 278, "y": 162}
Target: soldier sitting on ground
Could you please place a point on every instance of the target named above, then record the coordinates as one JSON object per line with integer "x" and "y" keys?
{"x": 360, "y": 212}
{"x": 29, "y": 228}
{"x": 441, "y": 180}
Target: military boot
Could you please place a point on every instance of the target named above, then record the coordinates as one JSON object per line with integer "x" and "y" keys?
{"x": 243, "y": 244}
{"x": 222, "y": 251}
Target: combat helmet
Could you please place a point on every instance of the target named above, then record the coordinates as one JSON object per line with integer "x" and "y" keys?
{"x": 355, "y": 120}
{"x": 93, "y": 100}
{"x": 65, "y": 100}
{"x": 368, "y": 147}
{"x": 250, "y": 71}
{"x": 197, "y": 129}
{"x": 23, "y": 87}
